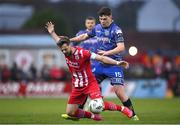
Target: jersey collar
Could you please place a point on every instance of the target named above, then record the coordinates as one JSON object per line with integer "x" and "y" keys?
{"x": 108, "y": 26}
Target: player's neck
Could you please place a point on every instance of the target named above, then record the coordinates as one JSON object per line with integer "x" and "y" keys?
{"x": 108, "y": 25}
{"x": 88, "y": 30}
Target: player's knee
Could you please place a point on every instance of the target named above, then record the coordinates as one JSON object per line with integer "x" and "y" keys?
{"x": 120, "y": 92}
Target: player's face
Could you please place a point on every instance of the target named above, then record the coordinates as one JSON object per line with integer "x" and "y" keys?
{"x": 105, "y": 20}
{"x": 90, "y": 24}
{"x": 66, "y": 49}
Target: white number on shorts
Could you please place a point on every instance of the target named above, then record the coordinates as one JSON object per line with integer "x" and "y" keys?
{"x": 118, "y": 74}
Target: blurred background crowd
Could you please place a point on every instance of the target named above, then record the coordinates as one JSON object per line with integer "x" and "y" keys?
{"x": 16, "y": 74}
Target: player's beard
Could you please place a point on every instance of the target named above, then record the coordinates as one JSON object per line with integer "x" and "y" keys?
{"x": 68, "y": 53}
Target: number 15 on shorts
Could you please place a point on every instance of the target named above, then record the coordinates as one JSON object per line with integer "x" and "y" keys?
{"x": 118, "y": 74}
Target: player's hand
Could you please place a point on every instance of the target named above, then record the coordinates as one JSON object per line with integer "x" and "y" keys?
{"x": 50, "y": 27}
{"x": 123, "y": 63}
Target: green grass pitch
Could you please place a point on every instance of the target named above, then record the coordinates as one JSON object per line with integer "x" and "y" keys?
{"x": 48, "y": 111}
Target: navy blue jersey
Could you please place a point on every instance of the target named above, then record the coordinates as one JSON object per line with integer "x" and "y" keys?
{"x": 104, "y": 39}
{"x": 107, "y": 38}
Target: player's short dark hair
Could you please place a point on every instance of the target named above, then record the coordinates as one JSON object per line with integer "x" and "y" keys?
{"x": 90, "y": 18}
{"x": 63, "y": 40}
{"x": 105, "y": 11}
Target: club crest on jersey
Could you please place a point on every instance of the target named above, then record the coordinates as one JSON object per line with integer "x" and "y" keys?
{"x": 106, "y": 33}
{"x": 77, "y": 57}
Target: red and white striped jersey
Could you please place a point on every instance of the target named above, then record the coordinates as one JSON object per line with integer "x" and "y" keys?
{"x": 80, "y": 67}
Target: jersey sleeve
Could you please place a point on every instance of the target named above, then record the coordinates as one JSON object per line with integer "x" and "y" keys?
{"x": 86, "y": 54}
{"x": 92, "y": 33}
{"x": 93, "y": 55}
{"x": 89, "y": 55}
{"x": 79, "y": 33}
{"x": 118, "y": 35}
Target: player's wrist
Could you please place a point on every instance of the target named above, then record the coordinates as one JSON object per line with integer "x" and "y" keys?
{"x": 117, "y": 63}
{"x": 52, "y": 32}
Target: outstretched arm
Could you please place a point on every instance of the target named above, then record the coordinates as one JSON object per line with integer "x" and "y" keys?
{"x": 79, "y": 38}
{"x": 50, "y": 27}
{"x": 108, "y": 60}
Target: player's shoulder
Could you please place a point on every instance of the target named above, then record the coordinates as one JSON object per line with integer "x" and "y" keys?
{"x": 80, "y": 49}
{"x": 116, "y": 28}
{"x": 98, "y": 26}
{"x": 83, "y": 52}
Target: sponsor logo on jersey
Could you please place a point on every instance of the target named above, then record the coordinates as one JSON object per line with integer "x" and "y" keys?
{"x": 103, "y": 39}
{"x": 72, "y": 64}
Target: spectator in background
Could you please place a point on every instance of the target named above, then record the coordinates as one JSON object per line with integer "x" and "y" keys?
{"x": 0, "y": 72}
{"x": 171, "y": 77}
{"x": 146, "y": 63}
{"x": 22, "y": 89}
{"x": 146, "y": 60}
{"x": 55, "y": 73}
{"x": 177, "y": 62}
{"x": 5, "y": 74}
{"x": 63, "y": 76}
{"x": 32, "y": 73}
{"x": 157, "y": 61}
{"x": 16, "y": 72}
{"x": 45, "y": 73}
{"x": 24, "y": 76}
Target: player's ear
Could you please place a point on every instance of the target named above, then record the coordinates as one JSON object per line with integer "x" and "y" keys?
{"x": 111, "y": 16}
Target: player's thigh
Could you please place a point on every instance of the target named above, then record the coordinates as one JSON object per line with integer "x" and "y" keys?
{"x": 77, "y": 97}
{"x": 94, "y": 91}
{"x": 115, "y": 74}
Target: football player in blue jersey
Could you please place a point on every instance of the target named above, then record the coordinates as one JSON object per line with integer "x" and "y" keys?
{"x": 110, "y": 43}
